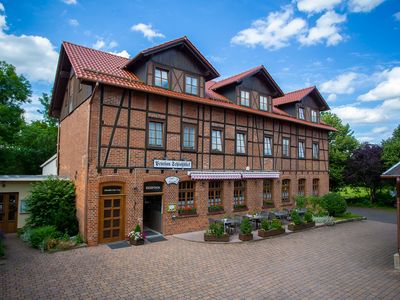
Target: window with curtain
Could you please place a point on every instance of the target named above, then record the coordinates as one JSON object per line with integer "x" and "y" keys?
{"x": 315, "y": 151}
{"x": 155, "y": 134}
{"x": 301, "y": 113}
{"x": 239, "y": 191}
{"x": 161, "y": 78}
{"x": 191, "y": 85}
{"x": 267, "y": 146}
{"x": 301, "y": 187}
{"x": 286, "y": 190}
{"x": 301, "y": 149}
{"x": 215, "y": 193}
{"x": 186, "y": 194}
{"x": 263, "y": 103}
{"x": 216, "y": 140}
{"x": 189, "y": 135}
{"x": 245, "y": 98}
{"x": 285, "y": 147}
{"x": 240, "y": 143}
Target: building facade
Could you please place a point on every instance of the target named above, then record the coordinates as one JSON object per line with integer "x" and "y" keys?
{"x": 157, "y": 141}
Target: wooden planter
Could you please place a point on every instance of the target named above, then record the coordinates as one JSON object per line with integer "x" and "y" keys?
{"x": 269, "y": 233}
{"x": 137, "y": 242}
{"x": 293, "y": 227}
{"x": 210, "y": 238}
{"x": 245, "y": 237}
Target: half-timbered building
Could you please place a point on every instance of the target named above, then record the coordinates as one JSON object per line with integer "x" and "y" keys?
{"x": 158, "y": 140}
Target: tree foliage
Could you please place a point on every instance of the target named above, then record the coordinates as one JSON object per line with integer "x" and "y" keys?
{"x": 364, "y": 168}
{"x": 342, "y": 143}
{"x": 14, "y": 89}
{"x": 391, "y": 149}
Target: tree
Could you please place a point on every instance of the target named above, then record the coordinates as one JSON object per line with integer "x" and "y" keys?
{"x": 342, "y": 143}
{"x": 364, "y": 168}
{"x": 14, "y": 89}
{"x": 45, "y": 111}
{"x": 391, "y": 149}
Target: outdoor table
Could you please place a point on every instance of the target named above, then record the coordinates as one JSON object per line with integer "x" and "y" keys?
{"x": 256, "y": 219}
{"x": 280, "y": 215}
{"x": 301, "y": 211}
{"x": 227, "y": 222}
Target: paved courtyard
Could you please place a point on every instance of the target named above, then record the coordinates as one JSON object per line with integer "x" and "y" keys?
{"x": 347, "y": 261}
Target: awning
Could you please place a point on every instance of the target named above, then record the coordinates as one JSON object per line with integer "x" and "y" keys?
{"x": 208, "y": 175}
{"x": 215, "y": 175}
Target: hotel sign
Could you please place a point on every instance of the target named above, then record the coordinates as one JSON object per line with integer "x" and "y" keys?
{"x": 153, "y": 187}
{"x": 172, "y": 164}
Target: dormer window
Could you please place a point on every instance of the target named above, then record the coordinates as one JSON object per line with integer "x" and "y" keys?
{"x": 191, "y": 85}
{"x": 314, "y": 116}
{"x": 301, "y": 114}
{"x": 244, "y": 98}
{"x": 263, "y": 103}
{"x": 161, "y": 78}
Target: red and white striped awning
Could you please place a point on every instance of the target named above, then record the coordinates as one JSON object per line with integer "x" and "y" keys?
{"x": 261, "y": 174}
{"x": 210, "y": 175}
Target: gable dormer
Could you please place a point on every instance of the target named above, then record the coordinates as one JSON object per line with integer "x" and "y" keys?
{"x": 254, "y": 88}
{"x": 305, "y": 104}
{"x": 176, "y": 65}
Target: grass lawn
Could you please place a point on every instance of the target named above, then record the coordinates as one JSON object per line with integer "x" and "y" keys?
{"x": 358, "y": 197}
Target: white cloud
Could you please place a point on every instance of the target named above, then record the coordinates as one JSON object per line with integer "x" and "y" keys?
{"x": 388, "y": 111}
{"x": 70, "y": 2}
{"x": 147, "y": 30}
{"x": 387, "y": 88}
{"x": 122, "y": 53}
{"x": 332, "y": 97}
{"x": 99, "y": 44}
{"x": 73, "y": 22}
{"x": 380, "y": 130}
{"x": 365, "y": 139}
{"x": 112, "y": 44}
{"x": 272, "y": 32}
{"x": 316, "y": 6}
{"x": 31, "y": 109}
{"x": 1, "y": 7}
{"x": 342, "y": 84}
{"x": 363, "y": 5}
{"x": 34, "y": 56}
{"x": 325, "y": 29}
{"x": 397, "y": 16}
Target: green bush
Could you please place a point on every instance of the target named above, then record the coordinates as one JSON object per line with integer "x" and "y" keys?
{"x": 39, "y": 236}
{"x": 137, "y": 228}
{"x": 296, "y": 219}
{"x": 52, "y": 202}
{"x": 245, "y": 227}
{"x": 216, "y": 229}
{"x": 265, "y": 225}
{"x": 276, "y": 224}
{"x": 334, "y": 204}
{"x": 301, "y": 201}
{"x": 308, "y": 217}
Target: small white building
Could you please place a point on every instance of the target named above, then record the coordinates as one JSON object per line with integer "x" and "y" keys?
{"x": 49, "y": 167}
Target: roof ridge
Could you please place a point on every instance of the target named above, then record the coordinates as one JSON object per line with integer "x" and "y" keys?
{"x": 239, "y": 74}
{"x": 300, "y": 90}
{"x": 92, "y": 49}
{"x": 163, "y": 44}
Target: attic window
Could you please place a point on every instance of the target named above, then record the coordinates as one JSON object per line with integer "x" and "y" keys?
{"x": 314, "y": 116}
{"x": 263, "y": 103}
{"x": 161, "y": 78}
{"x": 244, "y": 98}
{"x": 301, "y": 113}
{"x": 191, "y": 85}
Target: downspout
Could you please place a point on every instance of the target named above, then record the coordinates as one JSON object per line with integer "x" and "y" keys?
{"x": 87, "y": 158}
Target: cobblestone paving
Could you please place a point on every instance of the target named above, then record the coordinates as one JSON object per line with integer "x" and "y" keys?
{"x": 347, "y": 261}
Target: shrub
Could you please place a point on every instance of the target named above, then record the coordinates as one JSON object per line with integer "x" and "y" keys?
{"x": 245, "y": 227}
{"x": 52, "y": 202}
{"x": 137, "y": 228}
{"x": 308, "y": 217}
{"x": 296, "y": 218}
{"x": 216, "y": 229}
{"x": 334, "y": 204}
{"x": 265, "y": 225}
{"x": 276, "y": 224}
{"x": 39, "y": 236}
{"x": 301, "y": 201}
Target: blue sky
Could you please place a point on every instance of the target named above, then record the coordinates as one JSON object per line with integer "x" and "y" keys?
{"x": 349, "y": 49}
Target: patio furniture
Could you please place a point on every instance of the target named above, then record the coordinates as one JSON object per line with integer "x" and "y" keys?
{"x": 255, "y": 219}
{"x": 211, "y": 221}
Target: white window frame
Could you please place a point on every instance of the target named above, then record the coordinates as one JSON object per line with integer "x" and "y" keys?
{"x": 315, "y": 151}
{"x": 267, "y": 145}
{"x": 162, "y": 78}
{"x": 156, "y": 140}
{"x": 314, "y": 116}
{"x": 286, "y": 147}
{"x": 301, "y": 149}
{"x": 216, "y": 140}
{"x": 263, "y": 102}
{"x": 191, "y": 85}
{"x": 240, "y": 143}
{"x": 302, "y": 115}
{"x": 244, "y": 98}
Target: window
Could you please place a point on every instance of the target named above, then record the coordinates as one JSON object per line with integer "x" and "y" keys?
{"x": 315, "y": 187}
{"x": 301, "y": 149}
{"x": 285, "y": 190}
{"x": 263, "y": 103}
{"x": 314, "y": 116}
{"x": 301, "y": 187}
{"x": 186, "y": 194}
{"x": 315, "y": 151}
{"x": 156, "y": 134}
{"x": 301, "y": 113}
{"x": 191, "y": 85}
{"x": 215, "y": 193}
{"x": 216, "y": 140}
{"x": 245, "y": 98}
{"x": 189, "y": 137}
{"x": 267, "y": 190}
{"x": 285, "y": 147}
{"x": 239, "y": 190}
{"x": 267, "y": 146}
{"x": 161, "y": 78}
{"x": 240, "y": 143}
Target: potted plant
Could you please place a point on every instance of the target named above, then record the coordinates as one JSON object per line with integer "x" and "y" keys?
{"x": 299, "y": 223}
{"x": 215, "y": 209}
{"x": 187, "y": 210}
{"x": 308, "y": 219}
{"x": 136, "y": 237}
{"x": 246, "y": 230}
{"x": 216, "y": 233}
{"x": 270, "y": 228}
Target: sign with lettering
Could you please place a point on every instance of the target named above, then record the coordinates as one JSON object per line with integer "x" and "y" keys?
{"x": 171, "y": 208}
{"x": 172, "y": 164}
{"x": 153, "y": 187}
{"x": 112, "y": 190}
{"x": 172, "y": 180}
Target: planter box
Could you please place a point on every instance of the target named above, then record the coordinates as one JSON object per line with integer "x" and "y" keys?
{"x": 293, "y": 227}
{"x": 240, "y": 209}
{"x": 210, "y": 238}
{"x": 218, "y": 212}
{"x": 137, "y": 242}
{"x": 245, "y": 237}
{"x": 269, "y": 233}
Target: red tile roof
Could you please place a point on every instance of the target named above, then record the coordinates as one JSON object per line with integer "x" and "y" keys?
{"x": 212, "y": 94}
{"x": 97, "y": 66}
{"x": 294, "y": 96}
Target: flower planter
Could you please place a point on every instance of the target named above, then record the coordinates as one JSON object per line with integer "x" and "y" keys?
{"x": 267, "y": 205}
{"x": 293, "y": 227}
{"x": 269, "y": 233}
{"x": 217, "y": 212}
{"x": 210, "y": 238}
{"x": 240, "y": 209}
{"x": 137, "y": 242}
{"x": 245, "y": 237}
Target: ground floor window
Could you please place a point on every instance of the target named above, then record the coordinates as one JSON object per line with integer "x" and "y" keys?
{"x": 315, "y": 187}
{"x": 215, "y": 196}
{"x": 186, "y": 196}
{"x": 267, "y": 192}
{"x": 301, "y": 187}
{"x": 239, "y": 191}
{"x": 286, "y": 190}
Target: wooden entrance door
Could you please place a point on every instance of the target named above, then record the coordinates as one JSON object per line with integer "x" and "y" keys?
{"x": 8, "y": 212}
{"x": 112, "y": 214}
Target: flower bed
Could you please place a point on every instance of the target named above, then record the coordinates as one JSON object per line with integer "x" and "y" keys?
{"x": 271, "y": 232}
{"x": 300, "y": 223}
{"x": 296, "y": 227}
{"x": 216, "y": 233}
{"x": 270, "y": 228}
{"x": 246, "y": 231}
{"x": 210, "y": 238}
{"x": 136, "y": 237}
